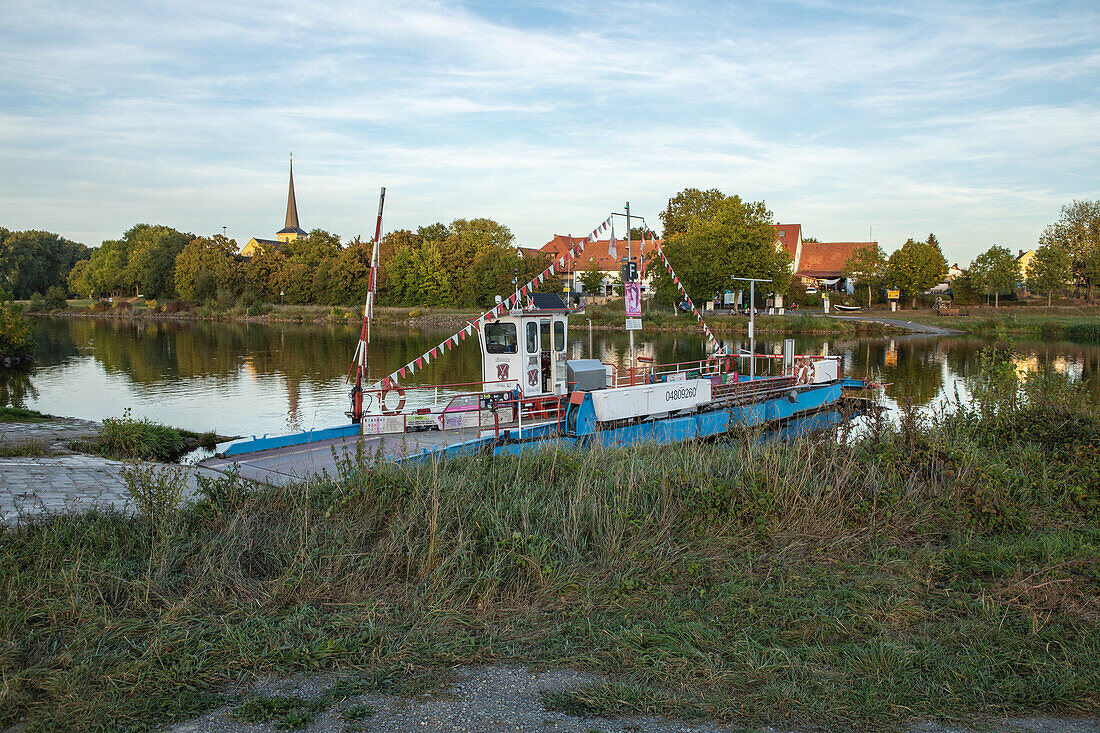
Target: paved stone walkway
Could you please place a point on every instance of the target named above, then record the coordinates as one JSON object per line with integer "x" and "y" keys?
{"x": 61, "y": 481}
{"x": 53, "y": 436}
{"x": 30, "y": 487}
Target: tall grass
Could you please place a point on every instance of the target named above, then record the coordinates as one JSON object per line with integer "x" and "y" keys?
{"x": 943, "y": 568}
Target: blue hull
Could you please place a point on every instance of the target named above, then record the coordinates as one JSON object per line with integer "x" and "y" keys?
{"x": 657, "y": 432}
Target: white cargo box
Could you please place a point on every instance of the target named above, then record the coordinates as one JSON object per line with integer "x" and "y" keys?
{"x": 825, "y": 370}
{"x": 650, "y": 399}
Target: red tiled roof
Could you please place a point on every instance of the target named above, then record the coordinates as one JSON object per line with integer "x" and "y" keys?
{"x": 826, "y": 259}
{"x": 789, "y": 234}
{"x": 595, "y": 250}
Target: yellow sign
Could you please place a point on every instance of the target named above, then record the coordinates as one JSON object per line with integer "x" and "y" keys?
{"x": 893, "y": 294}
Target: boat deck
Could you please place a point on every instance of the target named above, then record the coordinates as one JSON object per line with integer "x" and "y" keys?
{"x": 290, "y": 463}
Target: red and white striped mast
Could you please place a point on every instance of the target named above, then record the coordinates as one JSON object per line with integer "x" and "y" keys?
{"x": 368, "y": 314}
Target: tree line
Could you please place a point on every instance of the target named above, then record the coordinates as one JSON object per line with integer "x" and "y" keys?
{"x": 462, "y": 264}
{"x": 709, "y": 238}
{"x": 1068, "y": 253}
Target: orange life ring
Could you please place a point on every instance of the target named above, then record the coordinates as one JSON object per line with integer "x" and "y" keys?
{"x": 400, "y": 404}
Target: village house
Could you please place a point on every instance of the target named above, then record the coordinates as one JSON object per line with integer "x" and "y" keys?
{"x": 818, "y": 265}
{"x": 598, "y": 251}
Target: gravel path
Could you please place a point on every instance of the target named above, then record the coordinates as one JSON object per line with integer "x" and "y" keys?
{"x": 503, "y": 698}
{"x": 902, "y": 323}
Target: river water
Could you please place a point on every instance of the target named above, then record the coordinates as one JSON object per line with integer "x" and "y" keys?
{"x": 250, "y": 379}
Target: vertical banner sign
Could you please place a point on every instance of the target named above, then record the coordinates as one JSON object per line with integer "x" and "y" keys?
{"x": 633, "y": 300}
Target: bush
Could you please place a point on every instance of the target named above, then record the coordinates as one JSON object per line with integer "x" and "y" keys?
{"x": 127, "y": 438}
{"x": 15, "y": 330}
{"x": 56, "y": 299}
{"x": 1084, "y": 333}
{"x": 123, "y": 305}
{"x": 157, "y": 491}
{"x": 37, "y": 303}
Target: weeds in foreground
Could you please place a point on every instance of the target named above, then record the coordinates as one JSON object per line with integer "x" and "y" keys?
{"x": 157, "y": 491}
{"x": 24, "y": 449}
{"x": 947, "y": 569}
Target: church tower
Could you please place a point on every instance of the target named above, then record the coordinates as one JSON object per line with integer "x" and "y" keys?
{"x": 291, "y": 230}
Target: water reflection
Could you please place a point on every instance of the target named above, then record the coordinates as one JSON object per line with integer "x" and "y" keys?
{"x": 252, "y": 378}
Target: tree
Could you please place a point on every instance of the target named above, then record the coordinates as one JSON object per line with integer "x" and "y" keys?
{"x": 730, "y": 238}
{"x": 867, "y": 266}
{"x": 916, "y": 267}
{"x": 687, "y": 207}
{"x": 15, "y": 330}
{"x": 151, "y": 262}
{"x": 1050, "y": 270}
{"x": 33, "y": 261}
{"x": 107, "y": 272}
{"x": 964, "y": 291}
{"x": 592, "y": 278}
{"x": 78, "y": 279}
{"x": 416, "y": 277}
{"x": 1077, "y": 233}
{"x": 207, "y": 265}
{"x": 465, "y": 241}
{"x": 996, "y": 271}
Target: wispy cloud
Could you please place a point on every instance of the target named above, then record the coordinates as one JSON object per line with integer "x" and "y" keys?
{"x": 973, "y": 120}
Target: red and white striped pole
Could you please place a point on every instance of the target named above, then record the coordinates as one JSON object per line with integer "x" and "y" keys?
{"x": 368, "y": 315}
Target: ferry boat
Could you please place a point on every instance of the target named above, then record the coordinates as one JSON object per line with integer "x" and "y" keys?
{"x": 531, "y": 395}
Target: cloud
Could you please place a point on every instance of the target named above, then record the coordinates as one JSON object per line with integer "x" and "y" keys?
{"x": 971, "y": 120}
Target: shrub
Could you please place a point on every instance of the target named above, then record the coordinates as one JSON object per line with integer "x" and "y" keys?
{"x": 157, "y": 491}
{"x": 37, "y": 303}
{"x": 15, "y": 329}
{"x": 127, "y": 438}
{"x": 56, "y": 299}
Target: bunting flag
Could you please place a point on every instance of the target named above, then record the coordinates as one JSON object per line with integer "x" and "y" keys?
{"x": 575, "y": 249}
{"x": 695, "y": 311}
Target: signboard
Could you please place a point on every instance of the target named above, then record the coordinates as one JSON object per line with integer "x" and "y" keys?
{"x": 633, "y": 324}
{"x": 893, "y": 294}
{"x": 650, "y": 399}
{"x": 633, "y": 300}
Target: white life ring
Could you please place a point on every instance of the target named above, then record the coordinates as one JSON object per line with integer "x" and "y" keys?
{"x": 400, "y": 403}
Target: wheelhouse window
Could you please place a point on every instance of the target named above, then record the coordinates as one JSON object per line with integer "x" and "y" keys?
{"x": 559, "y": 336}
{"x": 532, "y": 337}
{"x": 500, "y": 338}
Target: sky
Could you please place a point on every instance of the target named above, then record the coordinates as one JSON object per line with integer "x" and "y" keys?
{"x": 975, "y": 121}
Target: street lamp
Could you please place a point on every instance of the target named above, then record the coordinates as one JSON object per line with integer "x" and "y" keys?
{"x": 752, "y": 319}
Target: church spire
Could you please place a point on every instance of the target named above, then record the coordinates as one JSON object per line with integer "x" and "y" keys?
{"x": 292, "y": 227}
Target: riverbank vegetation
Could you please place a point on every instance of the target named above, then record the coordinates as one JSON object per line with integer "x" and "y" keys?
{"x": 20, "y": 414}
{"x": 16, "y": 340}
{"x": 611, "y": 315}
{"x": 942, "y": 568}
{"x": 1079, "y": 325}
{"x": 127, "y": 438}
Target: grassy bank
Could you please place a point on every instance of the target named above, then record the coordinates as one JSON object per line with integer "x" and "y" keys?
{"x": 944, "y": 569}
{"x": 427, "y": 318}
{"x": 1080, "y": 325}
{"x": 610, "y": 316}
{"x": 126, "y": 438}
{"x": 20, "y": 414}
